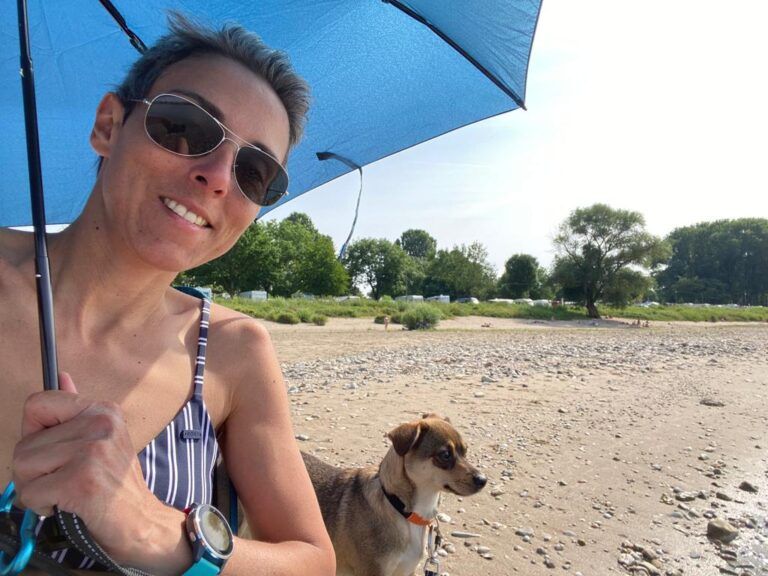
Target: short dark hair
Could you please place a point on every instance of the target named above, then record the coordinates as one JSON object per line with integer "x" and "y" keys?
{"x": 186, "y": 38}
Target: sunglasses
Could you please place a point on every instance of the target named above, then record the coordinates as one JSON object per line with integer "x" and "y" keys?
{"x": 183, "y": 127}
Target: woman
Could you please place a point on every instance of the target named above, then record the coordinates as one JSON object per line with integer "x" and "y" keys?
{"x": 190, "y": 146}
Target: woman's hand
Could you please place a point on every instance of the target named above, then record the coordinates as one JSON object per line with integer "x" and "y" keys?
{"x": 77, "y": 454}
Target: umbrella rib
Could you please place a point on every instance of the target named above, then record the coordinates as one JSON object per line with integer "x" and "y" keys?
{"x": 354, "y": 166}
{"x": 136, "y": 42}
{"x": 504, "y": 88}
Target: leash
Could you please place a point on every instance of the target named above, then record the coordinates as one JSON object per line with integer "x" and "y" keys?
{"x": 80, "y": 538}
{"x": 434, "y": 541}
{"x": 21, "y": 546}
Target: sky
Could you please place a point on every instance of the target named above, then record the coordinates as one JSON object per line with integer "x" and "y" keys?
{"x": 656, "y": 106}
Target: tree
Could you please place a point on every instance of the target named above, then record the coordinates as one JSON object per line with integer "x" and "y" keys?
{"x": 420, "y": 248}
{"x": 596, "y": 245}
{"x": 319, "y": 272}
{"x": 626, "y": 286}
{"x": 461, "y": 271}
{"x": 520, "y": 278}
{"x": 249, "y": 264}
{"x": 545, "y": 288}
{"x": 280, "y": 257}
{"x": 719, "y": 262}
{"x": 414, "y": 275}
{"x": 303, "y": 220}
{"x": 306, "y": 259}
{"x": 378, "y": 263}
{"x": 417, "y": 244}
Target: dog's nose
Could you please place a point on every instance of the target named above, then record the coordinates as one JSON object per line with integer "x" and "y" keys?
{"x": 479, "y": 480}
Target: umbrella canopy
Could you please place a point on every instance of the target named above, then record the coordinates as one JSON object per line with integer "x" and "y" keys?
{"x": 384, "y": 76}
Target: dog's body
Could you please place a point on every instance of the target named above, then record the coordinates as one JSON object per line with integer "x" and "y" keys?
{"x": 370, "y": 536}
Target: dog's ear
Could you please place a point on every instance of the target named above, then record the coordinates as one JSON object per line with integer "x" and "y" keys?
{"x": 435, "y": 415}
{"x": 406, "y": 436}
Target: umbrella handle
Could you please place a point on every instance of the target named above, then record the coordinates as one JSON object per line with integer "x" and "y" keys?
{"x": 42, "y": 269}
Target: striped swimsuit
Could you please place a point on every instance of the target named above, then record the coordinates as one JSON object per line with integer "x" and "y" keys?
{"x": 178, "y": 464}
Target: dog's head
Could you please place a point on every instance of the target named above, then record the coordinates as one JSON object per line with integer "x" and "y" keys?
{"x": 435, "y": 456}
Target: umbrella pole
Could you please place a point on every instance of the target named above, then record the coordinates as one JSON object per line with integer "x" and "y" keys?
{"x": 42, "y": 268}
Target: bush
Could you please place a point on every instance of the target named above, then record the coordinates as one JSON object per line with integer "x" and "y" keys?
{"x": 306, "y": 316}
{"x": 421, "y": 317}
{"x": 287, "y": 318}
{"x": 319, "y": 319}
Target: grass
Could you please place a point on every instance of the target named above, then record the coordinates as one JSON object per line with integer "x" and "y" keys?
{"x": 308, "y": 310}
{"x": 690, "y": 313}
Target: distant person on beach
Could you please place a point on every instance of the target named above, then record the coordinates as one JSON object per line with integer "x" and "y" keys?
{"x": 156, "y": 383}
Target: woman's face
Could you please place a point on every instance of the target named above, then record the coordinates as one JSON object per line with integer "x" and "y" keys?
{"x": 143, "y": 185}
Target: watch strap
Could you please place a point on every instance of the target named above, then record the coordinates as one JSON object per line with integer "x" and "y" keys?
{"x": 203, "y": 567}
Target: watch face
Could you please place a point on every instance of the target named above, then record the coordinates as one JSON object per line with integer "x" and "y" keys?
{"x": 215, "y": 530}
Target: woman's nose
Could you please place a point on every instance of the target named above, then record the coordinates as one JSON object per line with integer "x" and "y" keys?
{"x": 214, "y": 170}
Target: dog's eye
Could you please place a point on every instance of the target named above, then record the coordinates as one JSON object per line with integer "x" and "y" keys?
{"x": 444, "y": 455}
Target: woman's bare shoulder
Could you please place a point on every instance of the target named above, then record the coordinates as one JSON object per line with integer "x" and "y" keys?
{"x": 15, "y": 246}
{"x": 231, "y": 324}
{"x": 236, "y": 340}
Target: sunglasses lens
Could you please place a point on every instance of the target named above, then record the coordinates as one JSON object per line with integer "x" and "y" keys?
{"x": 181, "y": 127}
{"x": 261, "y": 178}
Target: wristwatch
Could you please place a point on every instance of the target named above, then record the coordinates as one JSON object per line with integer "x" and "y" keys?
{"x": 211, "y": 539}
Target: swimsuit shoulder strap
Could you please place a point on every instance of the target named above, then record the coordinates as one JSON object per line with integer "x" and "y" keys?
{"x": 202, "y": 345}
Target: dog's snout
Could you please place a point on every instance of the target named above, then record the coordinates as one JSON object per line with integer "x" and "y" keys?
{"x": 479, "y": 480}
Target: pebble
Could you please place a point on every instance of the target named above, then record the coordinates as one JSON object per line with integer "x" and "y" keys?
{"x": 525, "y": 532}
{"x": 722, "y": 530}
{"x": 513, "y": 356}
{"x": 748, "y": 487}
{"x": 462, "y": 534}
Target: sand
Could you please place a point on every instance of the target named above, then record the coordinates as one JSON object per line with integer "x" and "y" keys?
{"x": 594, "y": 436}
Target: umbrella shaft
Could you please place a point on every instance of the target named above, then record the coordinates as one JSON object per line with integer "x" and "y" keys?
{"x": 42, "y": 268}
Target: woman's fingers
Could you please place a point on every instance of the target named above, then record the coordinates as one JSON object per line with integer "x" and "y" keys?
{"x": 50, "y": 408}
{"x": 66, "y": 384}
{"x": 77, "y": 420}
{"x": 78, "y": 487}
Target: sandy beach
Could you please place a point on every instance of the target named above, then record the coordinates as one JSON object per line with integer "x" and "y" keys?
{"x": 609, "y": 448}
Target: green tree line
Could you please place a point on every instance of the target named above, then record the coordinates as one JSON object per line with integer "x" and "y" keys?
{"x": 603, "y": 255}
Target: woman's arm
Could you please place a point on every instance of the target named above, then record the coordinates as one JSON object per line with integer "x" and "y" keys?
{"x": 264, "y": 463}
{"x": 77, "y": 454}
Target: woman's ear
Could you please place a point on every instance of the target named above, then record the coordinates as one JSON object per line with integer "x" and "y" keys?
{"x": 106, "y": 127}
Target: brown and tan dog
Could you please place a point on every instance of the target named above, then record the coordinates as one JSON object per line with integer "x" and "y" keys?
{"x": 377, "y": 517}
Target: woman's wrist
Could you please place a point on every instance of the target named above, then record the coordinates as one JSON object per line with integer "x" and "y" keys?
{"x": 159, "y": 544}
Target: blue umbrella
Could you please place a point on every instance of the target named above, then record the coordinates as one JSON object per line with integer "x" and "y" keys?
{"x": 384, "y": 76}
